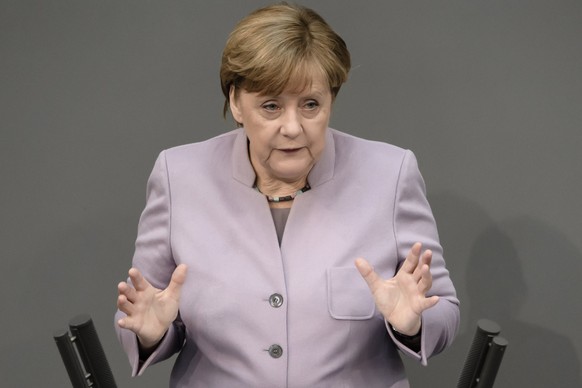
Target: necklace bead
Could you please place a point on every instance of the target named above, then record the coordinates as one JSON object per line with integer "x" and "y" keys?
{"x": 286, "y": 197}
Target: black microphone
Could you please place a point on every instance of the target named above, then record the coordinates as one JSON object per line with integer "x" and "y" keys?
{"x": 484, "y": 356}
{"x": 492, "y": 362}
{"x": 70, "y": 359}
{"x": 96, "y": 372}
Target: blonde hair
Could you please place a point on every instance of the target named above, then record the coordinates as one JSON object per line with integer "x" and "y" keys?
{"x": 279, "y": 45}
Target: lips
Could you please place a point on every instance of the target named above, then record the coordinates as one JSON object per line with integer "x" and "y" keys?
{"x": 290, "y": 150}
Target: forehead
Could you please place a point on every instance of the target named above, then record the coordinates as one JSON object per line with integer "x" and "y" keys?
{"x": 308, "y": 82}
{"x": 297, "y": 77}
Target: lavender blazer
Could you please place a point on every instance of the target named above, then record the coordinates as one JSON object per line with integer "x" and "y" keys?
{"x": 253, "y": 314}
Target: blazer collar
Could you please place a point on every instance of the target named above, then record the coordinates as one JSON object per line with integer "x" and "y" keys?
{"x": 242, "y": 169}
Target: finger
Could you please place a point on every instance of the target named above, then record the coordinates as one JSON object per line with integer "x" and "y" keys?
{"x": 125, "y": 305}
{"x": 139, "y": 282}
{"x": 412, "y": 258}
{"x": 126, "y": 323}
{"x": 425, "y": 282}
{"x": 121, "y": 322}
{"x": 424, "y": 260}
{"x": 127, "y": 290}
{"x": 174, "y": 289}
{"x": 427, "y": 257}
{"x": 368, "y": 273}
{"x": 130, "y": 322}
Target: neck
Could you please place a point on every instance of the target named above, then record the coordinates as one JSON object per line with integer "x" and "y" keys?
{"x": 277, "y": 188}
{"x": 285, "y": 200}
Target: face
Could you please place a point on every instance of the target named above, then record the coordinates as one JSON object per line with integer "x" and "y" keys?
{"x": 286, "y": 132}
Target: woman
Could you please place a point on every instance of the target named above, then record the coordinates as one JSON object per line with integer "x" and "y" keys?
{"x": 249, "y": 258}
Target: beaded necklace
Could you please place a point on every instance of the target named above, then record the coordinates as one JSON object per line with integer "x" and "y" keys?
{"x": 286, "y": 197}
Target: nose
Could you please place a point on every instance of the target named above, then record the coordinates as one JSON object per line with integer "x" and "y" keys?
{"x": 291, "y": 124}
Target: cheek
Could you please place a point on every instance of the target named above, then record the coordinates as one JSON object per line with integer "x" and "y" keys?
{"x": 260, "y": 139}
{"x": 260, "y": 148}
{"x": 317, "y": 142}
{"x": 321, "y": 141}
{"x": 317, "y": 130}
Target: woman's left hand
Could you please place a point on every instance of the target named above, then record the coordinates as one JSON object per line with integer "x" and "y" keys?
{"x": 402, "y": 299}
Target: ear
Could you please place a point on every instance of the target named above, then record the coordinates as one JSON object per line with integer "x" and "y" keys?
{"x": 234, "y": 105}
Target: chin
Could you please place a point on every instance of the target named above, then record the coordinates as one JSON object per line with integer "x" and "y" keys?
{"x": 290, "y": 169}
{"x": 289, "y": 177}
{"x": 292, "y": 174}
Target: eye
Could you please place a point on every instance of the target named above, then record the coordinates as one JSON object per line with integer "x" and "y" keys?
{"x": 270, "y": 106}
{"x": 311, "y": 105}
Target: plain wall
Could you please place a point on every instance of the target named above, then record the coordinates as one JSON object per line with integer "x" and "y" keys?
{"x": 486, "y": 93}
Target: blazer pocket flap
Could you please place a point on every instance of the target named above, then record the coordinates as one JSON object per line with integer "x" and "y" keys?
{"x": 348, "y": 295}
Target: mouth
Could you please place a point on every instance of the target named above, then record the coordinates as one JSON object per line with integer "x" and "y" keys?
{"x": 290, "y": 150}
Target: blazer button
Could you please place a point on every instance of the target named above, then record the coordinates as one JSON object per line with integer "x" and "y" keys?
{"x": 276, "y": 300}
{"x": 275, "y": 351}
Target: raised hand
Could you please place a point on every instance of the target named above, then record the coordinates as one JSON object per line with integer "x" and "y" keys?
{"x": 402, "y": 299}
{"x": 149, "y": 310}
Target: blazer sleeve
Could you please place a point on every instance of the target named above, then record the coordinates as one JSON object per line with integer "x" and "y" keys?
{"x": 153, "y": 257}
{"x": 414, "y": 222}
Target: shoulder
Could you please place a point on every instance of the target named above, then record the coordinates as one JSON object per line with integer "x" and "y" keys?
{"x": 206, "y": 155}
{"x": 196, "y": 159}
{"x": 369, "y": 152}
{"x": 207, "y": 149}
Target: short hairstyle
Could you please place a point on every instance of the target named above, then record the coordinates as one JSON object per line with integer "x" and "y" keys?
{"x": 279, "y": 44}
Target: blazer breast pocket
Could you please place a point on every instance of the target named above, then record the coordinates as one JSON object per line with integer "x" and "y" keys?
{"x": 348, "y": 295}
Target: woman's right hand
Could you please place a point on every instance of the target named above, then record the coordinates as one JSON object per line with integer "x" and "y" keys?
{"x": 149, "y": 311}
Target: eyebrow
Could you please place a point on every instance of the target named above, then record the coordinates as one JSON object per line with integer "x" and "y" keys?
{"x": 316, "y": 92}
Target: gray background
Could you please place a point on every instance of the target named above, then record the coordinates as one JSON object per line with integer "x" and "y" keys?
{"x": 487, "y": 94}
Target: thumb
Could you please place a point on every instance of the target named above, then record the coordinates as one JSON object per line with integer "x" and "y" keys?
{"x": 429, "y": 302}
{"x": 177, "y": 281}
